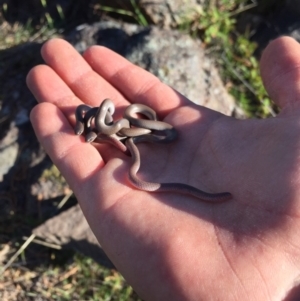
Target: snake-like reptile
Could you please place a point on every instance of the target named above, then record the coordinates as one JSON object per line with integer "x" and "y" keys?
{"x": 97, "y": 124}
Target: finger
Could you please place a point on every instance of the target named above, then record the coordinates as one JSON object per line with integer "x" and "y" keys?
{"x": 135, "y": 83}
{"x": 76, "y": 159}
{"x": 47, "y": 86}
{"x": 280, "y": 70}
{"x": 73, "y": 69}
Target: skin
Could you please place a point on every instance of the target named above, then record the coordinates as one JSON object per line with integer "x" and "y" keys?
{"x": 170, "y": 246}
{"x": 167, "y": 187}
{"x": 109, "y": 131}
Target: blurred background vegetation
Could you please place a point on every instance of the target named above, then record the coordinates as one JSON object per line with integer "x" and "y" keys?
{"x": 218, "y": 24}
{"x": 226, "y": 36}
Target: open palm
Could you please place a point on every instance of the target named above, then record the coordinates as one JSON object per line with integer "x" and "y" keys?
{"x": 170, "y": 246}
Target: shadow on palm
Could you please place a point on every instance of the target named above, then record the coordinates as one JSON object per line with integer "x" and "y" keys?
{"x": 216, "y": 153}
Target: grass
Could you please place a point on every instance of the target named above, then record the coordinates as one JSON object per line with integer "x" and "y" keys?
{"x": 16, "y": 34}
{"x": 63, "y": 276}
{"x": 135, "y": 13}
{"x": 77, "y": 277}
{"x": 215, "y": 25}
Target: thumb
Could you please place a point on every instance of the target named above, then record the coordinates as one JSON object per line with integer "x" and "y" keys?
{"x": 280, "y": 71}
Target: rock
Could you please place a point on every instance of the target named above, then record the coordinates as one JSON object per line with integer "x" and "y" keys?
{"x": 179, "y": 61}
{"x": 71, "y": 230}
{"x": 9, "y": 149}
{"x": 174, "y": 57}
{"x": 163, "y": 13}
{"x": 8, "y": 157}
{"x": 168, "y": 13}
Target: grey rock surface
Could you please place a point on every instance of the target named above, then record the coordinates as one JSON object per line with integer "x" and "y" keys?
{"x": 8, "y": 157}
{"x": 71, "y": 230}
{"x": 9, "y": 149}
{"x": 168, "y": 13}
{"x": 174, "y": 57}
{"x": 163, "y": 13}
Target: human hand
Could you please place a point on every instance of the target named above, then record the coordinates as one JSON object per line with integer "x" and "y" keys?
{"x": 170, "y": 246}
